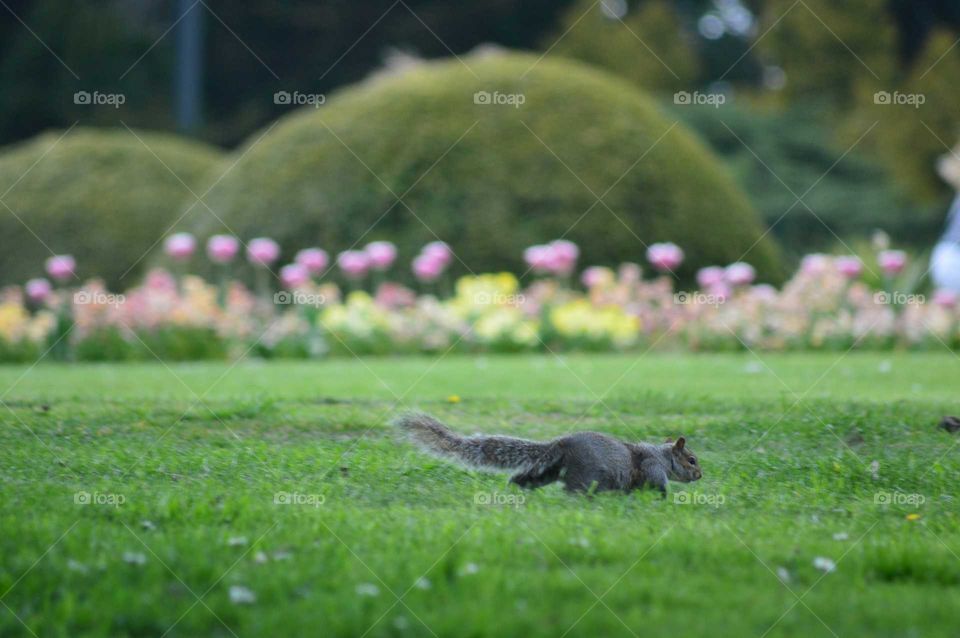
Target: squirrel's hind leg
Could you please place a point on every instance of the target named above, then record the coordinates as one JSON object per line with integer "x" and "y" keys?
{"x": 538, "y": 476}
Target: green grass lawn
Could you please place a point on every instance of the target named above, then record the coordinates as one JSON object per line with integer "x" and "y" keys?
{"x": 382, "y": 540}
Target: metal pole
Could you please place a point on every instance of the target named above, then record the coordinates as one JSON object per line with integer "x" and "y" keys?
{"x": 188, "y": 76}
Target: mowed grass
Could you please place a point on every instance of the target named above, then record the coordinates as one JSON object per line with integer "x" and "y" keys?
{"x": 382, "y": 540}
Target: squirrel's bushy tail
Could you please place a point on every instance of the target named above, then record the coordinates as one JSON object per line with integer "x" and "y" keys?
{"x": 501, "y": 452}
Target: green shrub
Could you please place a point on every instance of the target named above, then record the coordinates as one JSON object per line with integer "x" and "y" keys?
{"x": 104, "y": 196}
{"x": 490, "y": 179}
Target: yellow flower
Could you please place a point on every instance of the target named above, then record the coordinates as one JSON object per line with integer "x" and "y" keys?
{"x": 453, "y": 398}
{"x": 482, "y": 292}
{"x": 504, "y": 322}
{"x": 913, "y": 517}
{"x": 581, "y": 319}
{"x": 13, "y": 321}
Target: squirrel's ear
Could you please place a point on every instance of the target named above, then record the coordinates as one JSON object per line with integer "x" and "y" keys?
{"x": 679, "y": 444}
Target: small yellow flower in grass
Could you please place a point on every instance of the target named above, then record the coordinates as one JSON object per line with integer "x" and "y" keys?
{"x": 913, "y": 517}
{"x": 453, "y": 398}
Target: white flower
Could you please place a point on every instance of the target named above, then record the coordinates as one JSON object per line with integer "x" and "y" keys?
{"x": 423, "y": 583}
{"x": 240, "y": 595}
{"x": 134, "y": 558}
{"x": 824, "y": 564}
{"x": 841, "y": 536}
{"x": 367, "y": 589}
{"x": 237, "y": 541}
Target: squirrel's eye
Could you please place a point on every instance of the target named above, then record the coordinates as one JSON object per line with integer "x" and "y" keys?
{"x": 692, "y": 460}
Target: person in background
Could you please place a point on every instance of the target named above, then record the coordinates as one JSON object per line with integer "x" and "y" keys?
{"x": 945, "y": 261}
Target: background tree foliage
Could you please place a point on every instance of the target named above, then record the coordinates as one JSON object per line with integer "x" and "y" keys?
{"x": 800, "y": 78}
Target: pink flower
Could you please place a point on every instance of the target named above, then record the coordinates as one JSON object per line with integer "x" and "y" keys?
{"x": 159, "y": 280}
{"x": 390, "y": 295}
{"x": 710, "y": 276}
{"x": 563, "y": 257}
{"x": 765, "y": 292}
{"x": 630, "y": 273}
{"x": 222, "y": 248}
{"x": 850, "y": 267}
{"x": 38, "y": 290}
{"x": 740, "y": 274}
{"x": 945, "y": 298}
{"x": 665, "y": 257}
{"x": 262, "y": 251}
{"x": 315, "y": 260}
{"x": 381, "y": 254}
{"x": 540, "y": 258}
{"x": 61, "y": 267}
{"x": 354, "y": 263}
{"x": 721, "y": 291}
{"x": 293, "y": 276}
{"x": 596, "y": 276}
{"x": 180, "y": 246}
{"x": 427, "y": 267}
{"x": 892, "y": 261}
{"x": 440, "y": 251}
{"x": 815, "y": 264}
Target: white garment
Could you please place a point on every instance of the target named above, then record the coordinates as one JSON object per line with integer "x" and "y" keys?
{"x": 945, "y": 266}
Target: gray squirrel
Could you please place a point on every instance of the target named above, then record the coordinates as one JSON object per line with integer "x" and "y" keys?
{"x": 584, "y": 461}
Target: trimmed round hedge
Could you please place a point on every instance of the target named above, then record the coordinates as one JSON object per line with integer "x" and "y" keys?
{"x": 102, "y": 195}
{"x": 488, "y": 175}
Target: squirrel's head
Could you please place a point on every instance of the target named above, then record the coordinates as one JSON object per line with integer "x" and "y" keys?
{"x": 684, "y": 465}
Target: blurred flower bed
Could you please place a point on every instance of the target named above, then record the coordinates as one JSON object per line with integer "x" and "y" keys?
{"x": 296, "y": 311}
